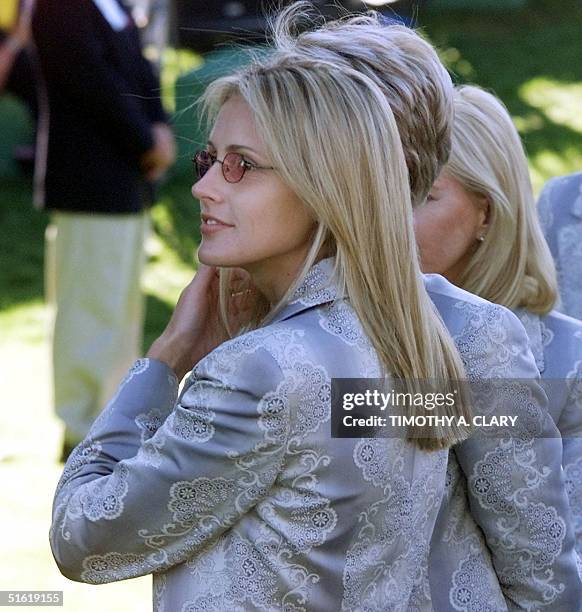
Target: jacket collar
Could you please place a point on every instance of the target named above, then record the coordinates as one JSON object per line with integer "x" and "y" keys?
{"x": 318, "y": 287}
{"x": 533, "y": 327}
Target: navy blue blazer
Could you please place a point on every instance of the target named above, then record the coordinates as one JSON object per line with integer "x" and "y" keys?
{"x": 103, "y": 97}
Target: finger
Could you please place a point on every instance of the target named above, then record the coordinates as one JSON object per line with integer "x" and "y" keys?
{"x": 200, "y": 281}
{"x": 207, "y": 278}
{"x": 207, "y": 273}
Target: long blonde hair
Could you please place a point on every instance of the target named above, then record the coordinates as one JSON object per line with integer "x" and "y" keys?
{"x": 330, "y": 132}
{"x": 513, "y": 266}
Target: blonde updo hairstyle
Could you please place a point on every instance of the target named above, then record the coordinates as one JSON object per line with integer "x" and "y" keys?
{"x": 330, "y": 132}
{"x": 513, "y": 265}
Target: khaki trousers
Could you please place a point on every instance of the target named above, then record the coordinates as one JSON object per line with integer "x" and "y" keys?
{"x": 92, "y": 278}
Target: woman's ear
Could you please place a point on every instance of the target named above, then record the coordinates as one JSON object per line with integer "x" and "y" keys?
{"x": 484, "y": 207}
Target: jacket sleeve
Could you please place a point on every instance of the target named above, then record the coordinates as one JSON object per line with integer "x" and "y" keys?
{"x": 151, "y": 486}
{"x": 570, "y": 426}
{"x": 515, "y": 480}
{"x": 74, "y": 59}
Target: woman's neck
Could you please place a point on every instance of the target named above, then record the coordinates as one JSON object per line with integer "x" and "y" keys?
{"x": 273, "y": 277}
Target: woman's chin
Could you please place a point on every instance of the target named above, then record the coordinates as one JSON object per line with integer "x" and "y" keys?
{"x": 210, "y": 258}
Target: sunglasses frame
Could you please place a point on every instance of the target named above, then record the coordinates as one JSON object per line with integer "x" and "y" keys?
{"x": 245, "y": 165}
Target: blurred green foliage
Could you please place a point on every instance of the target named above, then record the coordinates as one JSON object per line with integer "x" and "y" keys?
{"x": 531, "y": 58}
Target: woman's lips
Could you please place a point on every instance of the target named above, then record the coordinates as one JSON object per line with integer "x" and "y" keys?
{"x": 211, "y": 226}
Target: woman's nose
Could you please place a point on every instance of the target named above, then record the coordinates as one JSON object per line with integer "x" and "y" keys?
{"x": 209, "y": 187}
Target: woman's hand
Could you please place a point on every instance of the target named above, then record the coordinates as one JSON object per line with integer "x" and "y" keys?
{"x": 196, "y": 327}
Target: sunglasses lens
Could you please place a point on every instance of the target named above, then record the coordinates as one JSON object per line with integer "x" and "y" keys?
{"x": 233, "y": 167}
{"x": 202, "y": 163}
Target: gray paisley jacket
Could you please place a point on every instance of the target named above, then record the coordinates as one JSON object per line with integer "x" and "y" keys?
{"x": 503, "y": 538}
{"x": 560, "y": 211}
{"x": 556, "y": 342}
{"x": 236, "y": 498}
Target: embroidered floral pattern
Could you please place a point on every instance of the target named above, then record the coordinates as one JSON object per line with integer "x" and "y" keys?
{"x": 339, "y": 320}
{"x": 189, "y": 499}
{"x": 311, "y": 385}
{"x": 399, "y": 522}
{"x": 573, "y": 476}
{"x": 316, "y": 287}
{"x": 103, "y": 499}
{"x": 473, "y": 584}
{"x": 371, "y": 457}
{"x": 485, "y": 334}
{"x": 274, "y": 409}
{"x": 195, "y": 425}
{"x": 569, "y": 242}
{"x": 574, "y": 382}
{"x": 82, "y": 455}
{"x": 241, "y": 501}
{"x": 508, "y": 475}
{"x": 545, "y": 531}
{"x": 236, "y": 576}
{"x": 496, "y": 482}
{"x": 100, "y": 569}
{"x": 149, "y": 423}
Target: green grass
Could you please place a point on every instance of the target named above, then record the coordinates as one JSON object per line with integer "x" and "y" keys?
{"x": 530, "y": 58}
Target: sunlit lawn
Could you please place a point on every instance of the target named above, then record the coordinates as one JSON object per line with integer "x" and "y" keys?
{"x": 529, "y": 59}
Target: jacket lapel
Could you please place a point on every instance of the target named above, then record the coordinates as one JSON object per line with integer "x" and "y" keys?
{"x": 318, "y": 287}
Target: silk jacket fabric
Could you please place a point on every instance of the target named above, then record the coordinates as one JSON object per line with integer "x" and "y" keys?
{"x": 556, "y": 342}
{"x": 560, "y": 210}
{"x": 236, "y": 498}
{"x": 503, "y": 538}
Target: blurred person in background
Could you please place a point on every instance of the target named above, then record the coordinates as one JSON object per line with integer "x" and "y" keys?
{"x": 14, "y": 41}
{"x": 479, "y": 228}
{"x": 560, "y": 210}
{"x": 103, "y": 142}
{"x": 153, "y": 19}
{"x": 17, "y": 71}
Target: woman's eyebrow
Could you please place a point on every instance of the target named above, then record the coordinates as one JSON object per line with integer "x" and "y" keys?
{"x": 234, "y": 147}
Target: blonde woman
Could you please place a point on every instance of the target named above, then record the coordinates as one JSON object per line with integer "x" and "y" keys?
{"x": 479, "y": 228}
{"x": 237, "y": 498}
